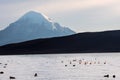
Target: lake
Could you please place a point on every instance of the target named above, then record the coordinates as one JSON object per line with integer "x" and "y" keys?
{"x": 96, "y": 66}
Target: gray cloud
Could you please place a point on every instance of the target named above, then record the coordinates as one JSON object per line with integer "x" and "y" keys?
{"x": 11, "y": 1}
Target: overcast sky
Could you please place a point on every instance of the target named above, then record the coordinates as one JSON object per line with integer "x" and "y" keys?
{"x": 79, "y": 15}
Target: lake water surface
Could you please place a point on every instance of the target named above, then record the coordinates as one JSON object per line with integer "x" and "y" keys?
{"x": 61, "y": 66}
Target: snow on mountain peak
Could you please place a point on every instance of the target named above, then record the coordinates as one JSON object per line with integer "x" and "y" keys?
{"x": 34, "y": 17}
{"x": 35, "y": 14}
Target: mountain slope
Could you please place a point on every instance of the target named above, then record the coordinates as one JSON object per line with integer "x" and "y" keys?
{"x": 108, "y": 41}
{"x": 31, "y": 26}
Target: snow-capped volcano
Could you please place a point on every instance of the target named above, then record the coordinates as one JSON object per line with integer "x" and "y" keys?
{"x": 32, "y": 25}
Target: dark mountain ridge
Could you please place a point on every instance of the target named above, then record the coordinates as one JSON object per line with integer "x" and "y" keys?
{"x": 89, "y": 42}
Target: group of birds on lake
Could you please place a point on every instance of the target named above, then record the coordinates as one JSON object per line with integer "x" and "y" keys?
{"x": 74, "y": 62}
{"x": 11, "y": 77}
{"x": 2, "y": 72}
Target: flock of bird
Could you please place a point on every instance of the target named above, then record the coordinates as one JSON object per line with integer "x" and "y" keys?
{"x": 74, "y": 63}
{"x": 2, "y": 72}
{"x": 11, "y": 77}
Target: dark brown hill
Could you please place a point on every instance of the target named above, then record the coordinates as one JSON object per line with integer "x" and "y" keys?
{"x": 108, "y": 41}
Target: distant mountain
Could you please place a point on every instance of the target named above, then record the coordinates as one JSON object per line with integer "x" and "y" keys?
{"x": 108, "y": 41}
{"x": 32, "y": 26}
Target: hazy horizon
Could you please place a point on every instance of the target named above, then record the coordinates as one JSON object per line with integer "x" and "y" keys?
{"x": 79, "y": 15}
